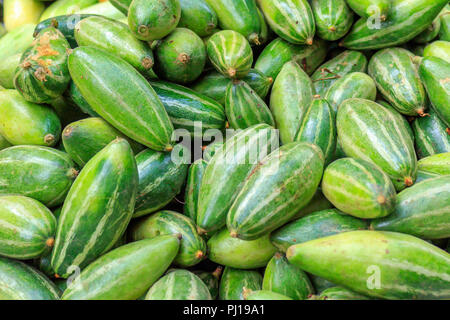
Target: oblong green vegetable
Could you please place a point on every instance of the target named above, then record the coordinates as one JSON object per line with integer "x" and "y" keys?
{"x": 380, "y": 264}
{"x": 8, "y": 67}
{"x": 154, "y": 19}
{"x": 120, "y": 275}
{"x": 41, "y": 173}
{"x": 65, "y": 7}
{"x": 430, "y": 135}
{"x": 226, "y": 171}
{"x": 291, "y": 20}
{"x": 240, "y": 254}
{"x": 292, "y": 94}
{"x": 264, "y": 204}
{"x": 97, "y": 209}
{"x": 211, "y": 279}
{"x": 194, "y": 179}
{"x": 316, "y": 225}
{"x": 230, "y": 53}
{"x": 19, "y": 281}
{"x": 244, "y": 108}
{"x": 359, "y": 188}
{"x": 333, "y": 18}
{"x": 286, "y": 279}
{"x": 117, "y": 39}
{"x": 27, "y": 227}
{"x": 439, "y": 49}
{"x": 373, "y": 133}
{"x": 192, "y": 246}
{"x": 444, "y": 31}
{"x": 179, "y": 285}
{"x": 160, "y": 180}
{"x": 234, "y": 281}
{"x": 122, "y": 96}
{"x": 422, "y": 210}
{"x": 369, "y": 8}
{"x": 429, "y": 33}
{"x": 433, "y": 166}
{"x": 340, "y": 293}
{"x": 198, "y": 16}
{"x": 396, "y": 77}
{"x": 105, "y": 9}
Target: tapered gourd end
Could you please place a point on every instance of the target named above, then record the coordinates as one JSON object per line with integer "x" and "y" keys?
{"x": 409, "y": 181}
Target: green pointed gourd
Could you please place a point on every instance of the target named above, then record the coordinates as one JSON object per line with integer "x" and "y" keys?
{"x": 316, "y": 225}
{"x": 154, "y": 19}
{"x": 41, "y": 173}
{"x": 27, "y": 227}
{"x": 194, "y": 180}
{"x": 192, "y": 246}
{"x": 211, "y": 279}
{"x": 119, "y": 275}
{"x": 131, "y": 107}
{"x": 333, "y": 18}
{"x": 292, "y": 93}
{"x": 198, "y": 16}
{"x": 227, "y": 170}
{"x": 97, "y": 209}
{"x": 444, "y": 31}
{"x": 430, "y": 135}
{"x": 396, "y": 77}
{"x": 291, "y": 20}
{"x": 230, "y": 53}
{"x": 369, "y": 8}
{"x": 244, "y": 108}
{"x": 42, "y": 74}
{"x": 318, "y": 126}
{"x": 287, "y": 279}
{"x": 422, "y": 210}
{"x": 263, "y": 204}
{"x": 235, "y": 281}
{"x": 373, "y": 133}
{"x": 439, "y": 49}
{"x": 179, "y": 285}
{"x": 429, "y": 33}
{"x": 359, "y": 188}
{"x": 378, "y": 264}
{"x": 65, "y": 7}
{"x": 433, "y": 166}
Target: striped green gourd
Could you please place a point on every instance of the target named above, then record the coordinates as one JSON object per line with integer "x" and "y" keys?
{"x": 278, "y": 52}
{"x": 198, "y": 16}
{"x": 439, "y": 49}
{"x": 398, "y": 115}
{"x": 333, "y": 18}
{"x": 406, "y": 20}
{"x": 291, "y": 20}
{"x": 351, "y": 85}
{"x": 262, "y": 205}
{"x": 430, "y": 135}
{"x": 18, "y": 281}
{"x": 161, "y": 177}
{"x": 211, "y": 279}
{"x": 373, "y": 133}
{"x": 240, "y": 16}
{"x": 237, "y": 253}
{"x": 181, "y": 56}
{"x": 120, "y": 275}
{"x": 433, "y": 166}
{"x": 179, "y": 285}
{"x": 190, "y": 110}
{"x": 314, "y": 226}
{"x": 153, "y": 20}
{"x": 287, "y": 279}
{"x": 292, "y": 94}
{"x": 410, "y": 268}
{"x": 97, "y": 209}
{"x": 117, "y": 39}
{"x": 234, "y": 281}
{"x": 422, "y": 210}
{"x": 192, "y": 246}
{"x": 27, "y": 123}
{"x": 27, "y": 227}
{"x": 41, "y": 173}
{"x": 336, "y": 68}
{"x": 42, "y": 74}
{"x": 395, "y": 75}
{"x": 230, "y": 53}
{"x": 244, "y": 107}
{"x": 340, "y": 293}
{"x": 318, "y": 126}
{"x": 434, "y": 75}
{"x": 264, "y": 295}
{"x": 214, "y": 84}
{"x": 226, "y": 171}
{"x": 122, "y": 96}
{"x": 370, "y": 8}
{"x": 83, "y": 139}
{"x": 266, "y": 33}
{"x": 317, "y": 203}
{"x": 64, "y": 7}
{"x": 194, "y": 179}
{"x": 359, "y": 188}
{"x": 429, "y": 33}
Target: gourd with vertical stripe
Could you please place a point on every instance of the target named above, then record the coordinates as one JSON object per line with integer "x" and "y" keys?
{"x": 333, "y": 18}
{"x": 234, "y": 281}
{"x": 194, "y": 180}
{"x": 430, "y": 135}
